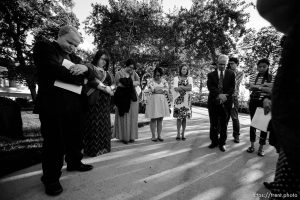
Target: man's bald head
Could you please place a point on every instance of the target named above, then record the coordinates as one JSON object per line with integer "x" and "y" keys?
{"x": 68, "y": 38}
{"x": 67, "y": 29}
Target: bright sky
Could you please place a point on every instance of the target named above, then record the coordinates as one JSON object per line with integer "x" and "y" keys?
{"x": 83, "y": 8}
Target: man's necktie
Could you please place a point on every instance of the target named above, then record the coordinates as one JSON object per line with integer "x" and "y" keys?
{"x": 220, "y": 85}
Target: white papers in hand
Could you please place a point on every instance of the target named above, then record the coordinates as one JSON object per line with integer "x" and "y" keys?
{"x": 138, "y": 90}
{"x": 67, "y": 64}
{"x": 67, "y": 86}
{"x": 260, "y": 120}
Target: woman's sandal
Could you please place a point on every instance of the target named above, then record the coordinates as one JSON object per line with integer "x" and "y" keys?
{"x": 183, "y": 138}
{"x": 177, "y": 138}
{"x": 250, "y": 149}
{"x": 154, "y": 139}
{"x": 261, "y": 153}
{"x": 160, "y": 139}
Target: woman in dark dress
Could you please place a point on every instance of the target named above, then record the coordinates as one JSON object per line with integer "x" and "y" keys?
{"x": 97, "y": 124}
{"x": 284, "y": 15}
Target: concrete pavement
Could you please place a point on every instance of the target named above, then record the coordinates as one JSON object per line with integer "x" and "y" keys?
{"x": 183, "y": 170}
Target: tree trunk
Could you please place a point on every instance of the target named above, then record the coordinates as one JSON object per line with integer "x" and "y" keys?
{"x": 200, "y": 87}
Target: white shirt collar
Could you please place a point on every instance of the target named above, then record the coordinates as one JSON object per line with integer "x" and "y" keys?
{"x": 219, "y": 72}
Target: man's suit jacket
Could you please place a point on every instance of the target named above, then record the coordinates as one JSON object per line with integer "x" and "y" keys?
{"x": 228, "y": 86}
{"x": 48, "y": 57}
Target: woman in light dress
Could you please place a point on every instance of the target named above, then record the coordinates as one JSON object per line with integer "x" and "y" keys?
{"x": 157, "y": 105}
{"x": 125, "y": 97}
{"x": 183, "y": 99}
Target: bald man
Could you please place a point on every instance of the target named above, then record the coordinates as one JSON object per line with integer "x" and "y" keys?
{"x": 59, "y": 109}
{"x": 221, "y": 84}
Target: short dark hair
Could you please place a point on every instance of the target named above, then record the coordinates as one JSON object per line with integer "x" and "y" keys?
{"x": 97, "y": 57}
{"x": 129, "y": 62}
{"x": 180, "y": 69}
{"x": 264, "y": 60}
{"x": 267, "y": 75}
{"x": 233, "y": 59}
{"x": 159, "y": 70}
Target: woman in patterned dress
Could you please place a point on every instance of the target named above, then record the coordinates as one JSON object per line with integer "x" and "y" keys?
{"x": 157, "y": 105}
{"x": 127, "y": 107}
{"x": 97, "y": 125}
{"x": 183, "y": 99}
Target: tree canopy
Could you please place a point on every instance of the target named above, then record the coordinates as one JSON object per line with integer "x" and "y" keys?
{"x": 22, "y": 23}
{"x": 266, "y": 43}
{"x": 140, "y": 30}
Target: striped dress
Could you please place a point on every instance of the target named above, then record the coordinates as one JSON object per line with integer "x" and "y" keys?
{"x": 257, "y": 79}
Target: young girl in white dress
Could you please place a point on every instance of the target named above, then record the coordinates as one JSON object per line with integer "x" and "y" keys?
{"x": 157, "y": 105}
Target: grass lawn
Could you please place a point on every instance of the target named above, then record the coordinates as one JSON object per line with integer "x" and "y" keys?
{"x": 16, "y": 154}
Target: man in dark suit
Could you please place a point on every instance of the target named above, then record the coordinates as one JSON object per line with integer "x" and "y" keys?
{"x": 220, "y": 84}
{"x": 59, "y": 109}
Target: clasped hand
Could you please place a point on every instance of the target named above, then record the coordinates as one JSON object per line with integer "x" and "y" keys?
{"x": 158, "y": 90}
{"x": 222, "y": 98}
{"x": 178, "y": 89}
{"x": 267, "y": 105}
{"x": 78, "y": 69}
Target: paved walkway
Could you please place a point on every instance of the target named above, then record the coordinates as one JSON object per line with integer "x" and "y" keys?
{"x": 183, "y": 170}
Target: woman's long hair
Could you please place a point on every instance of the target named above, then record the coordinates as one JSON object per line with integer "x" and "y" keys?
{"x": 180, "y": 69}
{"x": 97, "y": 57}
{"x": 159, "y": 70}
{"x": 129, "y": 62}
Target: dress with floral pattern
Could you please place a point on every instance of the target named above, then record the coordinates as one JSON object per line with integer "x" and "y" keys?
{"x": 182, "y": 100}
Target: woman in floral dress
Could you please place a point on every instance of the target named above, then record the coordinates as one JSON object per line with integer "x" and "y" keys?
{"x": 183, "y": 99}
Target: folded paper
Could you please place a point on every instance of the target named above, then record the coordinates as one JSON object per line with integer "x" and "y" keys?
{"x": 68, "y": 86}
{"x": 260, "y": 120}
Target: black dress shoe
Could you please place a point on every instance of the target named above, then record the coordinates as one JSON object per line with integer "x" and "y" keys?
{"x": 222, "y": 148}
{"x": 268, "y": 185}
{"x": 53, "y": 189}
{"x": 81, "y": 167}
{"x": 212, "y": 145}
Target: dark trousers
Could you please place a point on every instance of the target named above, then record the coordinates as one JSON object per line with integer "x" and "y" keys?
{"x": 218, "y": 116}
{"x": 253, "y": 104}
{"x": 61, "y": 133}
{"x": 235, "y": 118}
